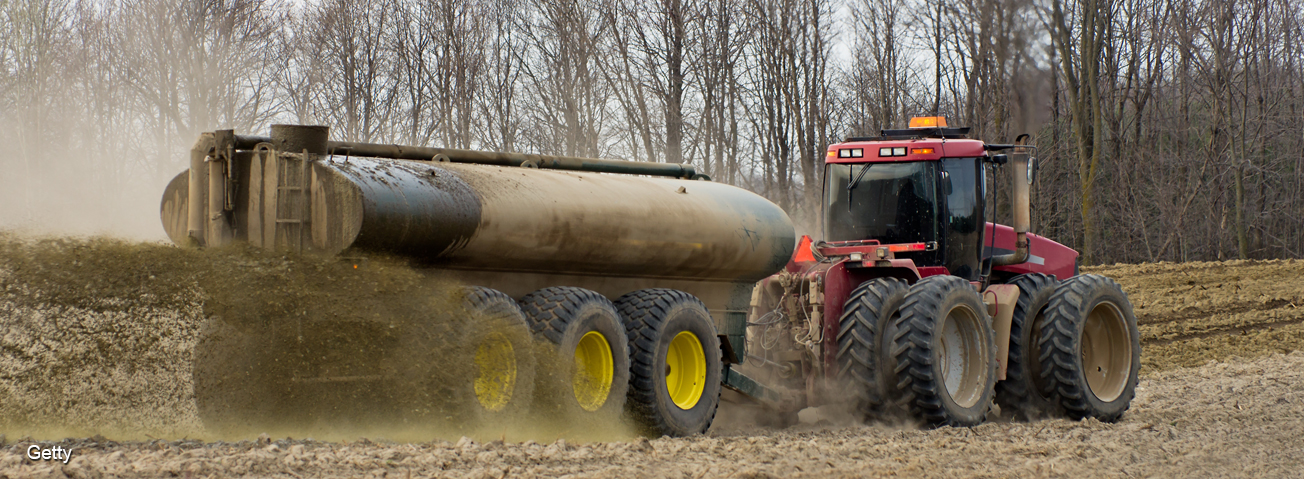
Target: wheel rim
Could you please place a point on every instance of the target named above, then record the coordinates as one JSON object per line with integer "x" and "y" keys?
{"x": 962, "y": 356}
{"x": 1106, "y": 351}
{"x": 685, "y": 370}
{"x": 594, "y": 369}
{"x": 495, "y": 360}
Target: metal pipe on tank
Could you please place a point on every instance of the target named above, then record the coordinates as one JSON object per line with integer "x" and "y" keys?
{"x": 196, "y": 224}
{"x": 219, "y": 225}
{"x": 455, "y": 155}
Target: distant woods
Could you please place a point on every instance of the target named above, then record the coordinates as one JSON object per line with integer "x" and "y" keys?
{"x": 1168, "y": 129}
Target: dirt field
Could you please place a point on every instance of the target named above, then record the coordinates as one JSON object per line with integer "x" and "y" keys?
{"x": 96, "y": 336}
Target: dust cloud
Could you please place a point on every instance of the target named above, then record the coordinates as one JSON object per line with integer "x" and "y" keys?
{"x": 69, "y": 188}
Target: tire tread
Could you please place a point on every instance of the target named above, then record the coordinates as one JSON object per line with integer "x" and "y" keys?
{"x": 859, "y": 350}
{"x": 1016, "y": 393}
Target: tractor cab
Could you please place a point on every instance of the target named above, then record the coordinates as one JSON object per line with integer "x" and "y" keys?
{"x": 921, "y": 193}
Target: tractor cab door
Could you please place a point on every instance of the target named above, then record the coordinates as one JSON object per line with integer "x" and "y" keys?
{"x": 963, "y": 188}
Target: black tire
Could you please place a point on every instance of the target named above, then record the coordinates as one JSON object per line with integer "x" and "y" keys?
{"x": 1091, "y": 348}
{"x": 923, "y": 357}
{"x": 564, "y": 316}
{"x": 654, "y": 320}
{"x": 1020, "y": 394}
{"x": 444, "y": 362}
{"x": 499, "y": 321}
{"x": 866, "y": 371}
{"x": 240, "y": 383}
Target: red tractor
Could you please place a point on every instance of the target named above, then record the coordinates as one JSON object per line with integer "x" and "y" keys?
{"x": 915, "y": 302}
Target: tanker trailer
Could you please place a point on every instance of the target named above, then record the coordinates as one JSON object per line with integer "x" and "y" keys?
{"x": 637, "y": 276}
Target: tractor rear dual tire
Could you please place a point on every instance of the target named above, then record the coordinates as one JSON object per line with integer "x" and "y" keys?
{"x": 675, "y": 362}
{"x": 1021, "y": 395}
{"x": 866, "y": 370}
{"x": 945, "y": 352}
{"x": 1091, "y": 348}
{"x": 592, "y": 372}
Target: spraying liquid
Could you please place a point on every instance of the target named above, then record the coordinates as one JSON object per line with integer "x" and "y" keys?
{"x": 145, "y": 340}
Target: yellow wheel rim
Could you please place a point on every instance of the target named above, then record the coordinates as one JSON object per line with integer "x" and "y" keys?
{"x": 685, "y": 370}
{"x": 495, "y": 360}
{"x": 594, "y": 369}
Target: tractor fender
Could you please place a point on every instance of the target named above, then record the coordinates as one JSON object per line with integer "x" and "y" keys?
{"x": 1044, "y": 255}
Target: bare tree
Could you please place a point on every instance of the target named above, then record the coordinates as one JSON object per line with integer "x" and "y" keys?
{"x": 357, "y": 97}
{"x": 505, "y": 55}
{"x": 1081, "y": 48}
{"x": 879, "y": 80}
{"x": 565, "y": 80}
{"x": 34, "y": 36}
{"x": 722, "y": 40}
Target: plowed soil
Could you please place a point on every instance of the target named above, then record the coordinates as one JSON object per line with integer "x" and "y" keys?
{"x": 1190, "y": 313}
{"x": 96, "y": 338}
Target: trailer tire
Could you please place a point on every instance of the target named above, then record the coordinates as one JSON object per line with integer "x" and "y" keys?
{"x": 503, "y": 352}
{"x": 477, "y": 364}
{"x": 1020, "y": 394}
{"x": 675, "y": 362}
{"x": 944, "y": 326}
{"x": 585, "y": 327}
{"x": 1091, "y": 348}
{"x": 866, "y": 371}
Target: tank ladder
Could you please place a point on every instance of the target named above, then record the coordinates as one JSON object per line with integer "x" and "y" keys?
{"x": 292, "y": 202}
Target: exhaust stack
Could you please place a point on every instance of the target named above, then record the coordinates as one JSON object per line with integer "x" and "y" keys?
{"x": 1021, "y": 176}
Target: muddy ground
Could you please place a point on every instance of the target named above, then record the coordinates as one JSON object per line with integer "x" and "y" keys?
{"x": 96, "y": 337}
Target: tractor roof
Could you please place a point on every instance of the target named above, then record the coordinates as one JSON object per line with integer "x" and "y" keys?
{"x": 927, "y": 139}
{"x": 884, "y": 150}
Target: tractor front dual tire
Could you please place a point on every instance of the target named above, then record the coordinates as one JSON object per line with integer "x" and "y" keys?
{"x": 866, "y": 371}
{"x": 1091, "y": 348}
{"x": 945, "y": 352}
{"x": 591, "y": 374}
{"x": 1021, "y": 395}
{"x": 675, "y": 362}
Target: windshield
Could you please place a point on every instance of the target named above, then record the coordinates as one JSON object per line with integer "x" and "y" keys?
{"x": 891, "y": 202}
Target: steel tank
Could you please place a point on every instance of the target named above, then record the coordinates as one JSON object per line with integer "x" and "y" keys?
{"x": 512, "y": 222}
{"x": 520, "y": 219}
{"x": 483, "y": 217}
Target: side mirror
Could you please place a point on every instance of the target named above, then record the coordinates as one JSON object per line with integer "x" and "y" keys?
{"x": 1032, "y": 170}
